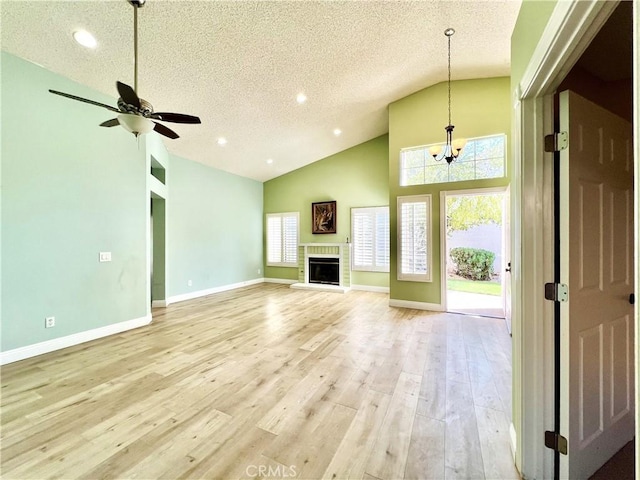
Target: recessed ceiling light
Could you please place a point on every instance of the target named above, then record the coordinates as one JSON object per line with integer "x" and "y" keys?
{"x": 337, "y": 132}
{"x": 222, "y": 141}
{"x": 85, "y": 39}
{"x": 269, "y": 161}
{"x": 301, "y": 98}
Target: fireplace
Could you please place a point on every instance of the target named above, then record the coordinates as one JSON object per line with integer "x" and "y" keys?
{"x": 324, "y": 270}
{"x": 324, "y": 267}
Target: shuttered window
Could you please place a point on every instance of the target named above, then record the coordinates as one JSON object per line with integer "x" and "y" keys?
{"x": 370, "y": 235}
{"x": 282, "y": 239}
{"x": 414, "y": 238}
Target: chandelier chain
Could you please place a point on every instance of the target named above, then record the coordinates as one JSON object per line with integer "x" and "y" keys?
{"x": 449, "y": 70}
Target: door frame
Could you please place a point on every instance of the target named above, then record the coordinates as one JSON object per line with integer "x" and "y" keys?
{"x": 571, "y": 27}
{"x": 443, "y": 234}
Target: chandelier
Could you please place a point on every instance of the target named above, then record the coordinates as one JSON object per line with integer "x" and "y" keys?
{"x": 452, "y": 148}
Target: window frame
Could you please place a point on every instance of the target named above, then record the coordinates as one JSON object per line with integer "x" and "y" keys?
{"x": 428, "y": 158}
{"x": 373, "y": 267}
{"x": 282, "y": 216}
{"x": 428, "y": 275}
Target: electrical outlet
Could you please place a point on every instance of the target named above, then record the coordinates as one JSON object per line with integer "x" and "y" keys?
{"x": 259, "y": 271}
{"x": 189, "y": 283}
{"x": 49, "y": 322}
{"x": 105, "y": 256}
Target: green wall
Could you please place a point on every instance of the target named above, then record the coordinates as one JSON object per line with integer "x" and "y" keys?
{"x": 531, "y": 22}
{"x": 479, "y": 108}
{"x": 214, "y": 227}
{"x": 69, "y": 191}
{"x": 357, "y": 177}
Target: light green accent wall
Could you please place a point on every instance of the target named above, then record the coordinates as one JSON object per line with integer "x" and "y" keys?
{"x": 479, "y": 108}
{"x": 357, "y": 177}
{"x": 214, "y": 227}
{"x": 532, "y": 20}
{"x": 69, "y": 191}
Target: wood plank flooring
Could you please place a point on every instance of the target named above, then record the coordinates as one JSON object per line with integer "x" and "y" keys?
{"x": 268, "y": 382}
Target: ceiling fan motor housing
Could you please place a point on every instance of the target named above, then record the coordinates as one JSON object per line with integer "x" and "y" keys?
{"x": 146, "y": 109}
{"x": 137, "y": 3}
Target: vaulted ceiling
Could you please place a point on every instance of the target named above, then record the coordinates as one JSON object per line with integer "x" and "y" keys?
{"x": 239, "y": 65}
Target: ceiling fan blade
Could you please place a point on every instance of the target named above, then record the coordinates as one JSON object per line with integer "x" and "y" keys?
{"x": 167, "y": 132}
{"x": 175, "y": 117}
{"x": 110, "y": 123}
{"x": 128, "y": 94}
{"x": 80, "y": 99}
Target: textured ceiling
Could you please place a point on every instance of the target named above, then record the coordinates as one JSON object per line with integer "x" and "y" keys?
{"x": 239, "y": 65}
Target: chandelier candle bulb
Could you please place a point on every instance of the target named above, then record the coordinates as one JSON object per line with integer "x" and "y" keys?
{"x": 435, "y": 150}
{"x": 459, "y": 143}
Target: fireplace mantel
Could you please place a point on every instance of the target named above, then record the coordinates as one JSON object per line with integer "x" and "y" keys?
{"x": 341, "y": 251}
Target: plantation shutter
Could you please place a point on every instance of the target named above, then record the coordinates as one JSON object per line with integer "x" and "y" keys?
{"x": 290, "y": 239}
{"x": 414, "y": 241}
{"x": 370, "y": 233}
{"x": 274, "y": 239}
{"x": 282, "y": 239}
{"x": 362, "y": 239}
{"x": 383, "y": 243}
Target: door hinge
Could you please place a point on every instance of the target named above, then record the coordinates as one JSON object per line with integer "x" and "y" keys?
{"x": 555, "y": 442}
{"x": 556, "y": 292}
{"x": 556, "y": 142}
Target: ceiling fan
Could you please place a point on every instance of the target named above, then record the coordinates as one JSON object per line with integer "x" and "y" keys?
{"x": 136, "y": 115}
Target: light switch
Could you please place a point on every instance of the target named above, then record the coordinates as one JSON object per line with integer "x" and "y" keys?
{"x": 105, "y": 256}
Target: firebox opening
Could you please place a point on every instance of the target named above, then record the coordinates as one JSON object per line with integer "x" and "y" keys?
{"x": 324, "y": 270}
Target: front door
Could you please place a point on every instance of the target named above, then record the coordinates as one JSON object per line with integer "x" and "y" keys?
{"x": 596, "y": 255}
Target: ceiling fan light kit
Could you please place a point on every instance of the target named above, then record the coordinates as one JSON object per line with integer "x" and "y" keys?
{"x": 452, "y": 148}
{"x": 135, "y": 124}
{"x": 136, "y": 115}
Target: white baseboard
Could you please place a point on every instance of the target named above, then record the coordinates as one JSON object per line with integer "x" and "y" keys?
{"x": 159, "y": 303}
{"x": 434, "y": 307}
{"x": 284, "y": 281}
{"x": 209, "y": 291}
{"x": 36, "y": 349}
{"x": 370, "y": 288}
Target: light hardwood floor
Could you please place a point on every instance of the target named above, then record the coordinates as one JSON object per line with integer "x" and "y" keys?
{"x": 269, "y": 382}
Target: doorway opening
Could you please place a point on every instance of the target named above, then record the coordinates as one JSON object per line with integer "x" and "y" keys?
{"x": 573, "y": 30}
{"x": 157, "y": 234}
{"x": 475, "y": 251}
{"x": 157, "y": 264}
{"x": 594, "y": 331}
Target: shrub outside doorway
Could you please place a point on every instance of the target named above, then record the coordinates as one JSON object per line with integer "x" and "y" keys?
{"x": 474, "y": 253}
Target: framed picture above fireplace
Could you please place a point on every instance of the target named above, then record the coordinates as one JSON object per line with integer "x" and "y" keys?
{"x": 323, "y": 215}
